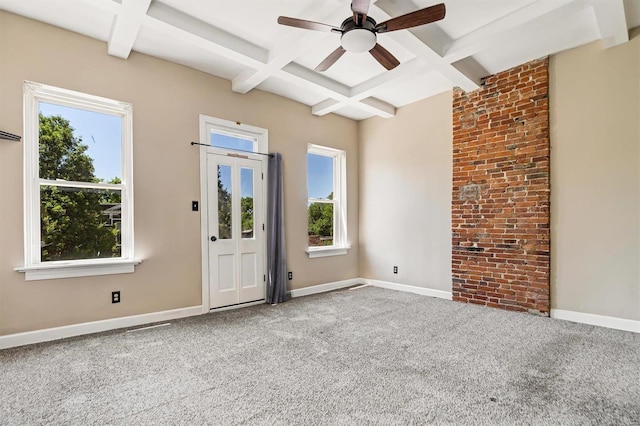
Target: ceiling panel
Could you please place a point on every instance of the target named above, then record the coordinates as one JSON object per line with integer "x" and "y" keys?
{"x": 408, "y": 90}
{"x": 288, "y": 90}
{"x": 241, "y": 41}
{"x": 155, "y": 43}
{"x": 96, "y": 22}
{"x": 463, "y": 16}
{"x": 256, "y": 21}
{"x": 557, "y": 37}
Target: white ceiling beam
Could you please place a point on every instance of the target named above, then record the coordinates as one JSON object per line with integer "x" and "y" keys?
{"x": 419, "y": 48}
{"x": 191, "y": 30}
{"x": 466, "y": 81}
{"x": 184, "y": 27}
{"x": 370, "y": 105}
{"x": 378, "y": 105}
{"x": 522, "y": 22}
{"x": 428, "y": 59}
{"x": 612, "y": 22}
{"x": 325, "y": 107}
{"x": 251, "y": 78}
{"x": 431, "y": 35}
{"x": 405, "y": 69}
{"x": 108, "y": 5}
{"x": 469, "y": 66}
{"x": 289, "y": 48}
{"x": 368, "y": 88}
{"x": 328, "y": 86}
{"x": 297, "y": 74}
{"x": 126, "y": 26}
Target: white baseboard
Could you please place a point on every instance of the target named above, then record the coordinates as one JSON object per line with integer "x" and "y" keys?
{"x": 440, "y": 294}
{"x": 322, "y": 288}
{"x": 56, "y": 333}
{"x": 599, "y": 320}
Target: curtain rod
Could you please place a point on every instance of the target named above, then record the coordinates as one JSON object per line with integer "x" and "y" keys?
{"x": 233, "y": 149}
{"x": 9, "y": 136}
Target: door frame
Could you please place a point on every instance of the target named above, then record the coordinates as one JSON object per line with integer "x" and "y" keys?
{"x": 261, "y": 137}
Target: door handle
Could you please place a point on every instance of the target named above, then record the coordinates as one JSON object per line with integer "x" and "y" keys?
{"x": 213, "y": 238}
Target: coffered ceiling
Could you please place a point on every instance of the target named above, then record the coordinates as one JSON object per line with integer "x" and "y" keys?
{"x": 241, "y": 41}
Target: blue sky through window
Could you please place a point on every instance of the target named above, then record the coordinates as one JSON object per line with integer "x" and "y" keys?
{"x": 102, "y": 133}
{"x": 320, "y": 176}
{"x": 246, "y": 180}
{"x": 246, "y": 175}
{"x": 231, "y": 142}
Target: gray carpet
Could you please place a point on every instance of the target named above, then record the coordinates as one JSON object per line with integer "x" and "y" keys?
{"x": 368, "y": 356}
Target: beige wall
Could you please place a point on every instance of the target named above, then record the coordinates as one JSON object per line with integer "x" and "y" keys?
{"x": 167, "y": 99}
{"x": 595, "y": 169}
{"x": 405, "y": 195}
{"x": 405, "y": 180}
{"x": 405, "y": 163}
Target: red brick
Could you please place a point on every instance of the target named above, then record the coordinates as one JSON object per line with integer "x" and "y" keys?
{"x": 501, "y": 141}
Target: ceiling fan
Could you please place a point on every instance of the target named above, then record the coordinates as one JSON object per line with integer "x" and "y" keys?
{"x": 359, "y": 33}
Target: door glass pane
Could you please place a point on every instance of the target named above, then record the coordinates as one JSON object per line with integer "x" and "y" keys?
{"x": 320, "y": 224}
{"x": 320, "y": 176}
{"x": 232, "y": 142}
{"x": 246, "y": 186}
{"x": 224, "y": 202}
{"x": 79, "y": 145}
{"x": 79, "y": 223}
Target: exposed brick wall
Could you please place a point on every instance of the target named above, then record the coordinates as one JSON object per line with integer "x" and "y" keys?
{"x": 501, "y": 191}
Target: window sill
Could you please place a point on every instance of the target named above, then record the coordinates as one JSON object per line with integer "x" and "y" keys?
{"x": 56, "y": 270}
{"x": 314, "y": 252}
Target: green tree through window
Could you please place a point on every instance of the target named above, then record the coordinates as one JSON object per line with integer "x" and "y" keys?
{"x": 74, "y": 221}
{"x": 224, "y": 211}
{"x": 224, "y": 204}
{"x": 247, "y": 216}
{"x": 321, "y": 222}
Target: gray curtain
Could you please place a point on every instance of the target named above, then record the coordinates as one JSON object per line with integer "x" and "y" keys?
{"x": 276, "y": 251}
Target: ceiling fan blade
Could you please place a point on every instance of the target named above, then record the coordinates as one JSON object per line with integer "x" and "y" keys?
{"x": 307, "y": 25}
{"x": 385, "y": 57}
{"x": 331, "y": 59}
{"x": 413, "y": 19}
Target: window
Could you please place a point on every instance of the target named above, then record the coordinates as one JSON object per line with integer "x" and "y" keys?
{"x": 326, "y": 204}
{"x": 229, "y": 136}
{"x": 78, "y": 184}
{"x": 233, "y": 142}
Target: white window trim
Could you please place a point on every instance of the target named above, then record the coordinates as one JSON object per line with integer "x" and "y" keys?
{"x": 340, "y": 245}
{"x": 233, "y": 128}
{"x": 34, "y": 268}
{"x": 315, "y": 252}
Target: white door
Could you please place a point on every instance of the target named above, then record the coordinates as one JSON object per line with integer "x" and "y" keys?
{"x": 236, "y": 230}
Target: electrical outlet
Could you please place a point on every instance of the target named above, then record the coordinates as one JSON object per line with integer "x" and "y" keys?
{"x": 290, "y": 275}
{"x": 115, "y": 297}
{"x": 395, "y": 269}
{"x": 194, "y": 206}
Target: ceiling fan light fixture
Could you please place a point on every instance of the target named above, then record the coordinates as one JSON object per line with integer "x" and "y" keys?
{"x": 358, "y": 40}
{"x": 360, "y": 31}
